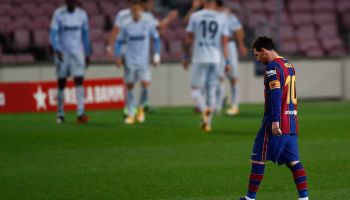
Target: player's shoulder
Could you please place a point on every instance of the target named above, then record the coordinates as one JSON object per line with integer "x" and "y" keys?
{"x": 81, "y": 11}
{"x": 124, "y": 12}
{"x": 60, "y": 10}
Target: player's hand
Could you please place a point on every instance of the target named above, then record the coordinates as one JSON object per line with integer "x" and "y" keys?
{"x": 109, "y": 50}
{"x": 185, "y": 64}
{"x": 119, "y": 62}
{"x": 59, "y": 55}
{"x": 276, "y": 129}
{"x": 156, "y": 60}
{"x": 243, "y": 50}
{"x": 87, "y": 61}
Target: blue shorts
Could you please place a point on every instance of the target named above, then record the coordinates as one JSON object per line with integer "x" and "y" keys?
{"x": 281, "y": 149}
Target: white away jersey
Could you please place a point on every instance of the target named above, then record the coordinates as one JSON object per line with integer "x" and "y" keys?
{"x": 124, "y": 17}
{"x": 70, "y": 26}
{"x": 208, "y": 27}
{"x": 136, "y": 36}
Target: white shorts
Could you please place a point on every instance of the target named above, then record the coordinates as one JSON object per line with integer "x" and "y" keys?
{"x": 234, "y": 71}
{"x": 204, "y": 74}
{"x": 132, "y": 75}
{"x": 71, "y": 65}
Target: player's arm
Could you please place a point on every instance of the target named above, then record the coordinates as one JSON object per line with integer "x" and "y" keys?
{"x": 86, "y": 41}
{"x": 187, "y": 48}
{"x": 173, "y": 14}
{"x": 111, "y": 39}
{"x": 239, "y": 37}
{"x": 118, "y": 48}
{"x": 114, "y": 34}
{"x": 224, "y": 43}
{"x": 274, "y": 83}
{"x": 156, "y": 46}
{"x": 196, "y": 4}
{"x": 54, "y": 36}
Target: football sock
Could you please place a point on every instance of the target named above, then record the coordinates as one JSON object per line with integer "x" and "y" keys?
{"x": 80, "y": 100}
{"x": 144, "y": 96}
{"x": 220, "y": 95}
{"x": 234, "y": 95}
{"x": 299, "y": 176}
{"x": 255, "y": 179}
{"x": 60, "y": 102}
{"x": 130, "y": 102}
{"x": 198, "y": 99}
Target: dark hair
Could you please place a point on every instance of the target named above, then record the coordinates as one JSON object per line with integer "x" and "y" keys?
{"x": 263, "y": 42}
{"x": 135, "y": 2}
{"x": 220, "y": 3}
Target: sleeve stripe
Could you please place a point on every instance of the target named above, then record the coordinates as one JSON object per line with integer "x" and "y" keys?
{"x": 274, "y": 84}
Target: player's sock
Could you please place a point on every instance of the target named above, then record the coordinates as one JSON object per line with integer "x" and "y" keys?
{"x": 130, "y": 102}
{"x": 60, "y": 102}
{"x": 234, "y": 95}
{"x": 255, "y": 179}
{"x": 220, "y": 95}
{"x": 80, "y": 100}
{"x": 300, "y": 181}
{"x": 198, "y": 99}
{"x": 211, "y": 102}
{"x": 144, "y": 97}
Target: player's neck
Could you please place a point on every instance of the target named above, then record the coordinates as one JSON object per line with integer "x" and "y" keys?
{"x": 273, "y": 55}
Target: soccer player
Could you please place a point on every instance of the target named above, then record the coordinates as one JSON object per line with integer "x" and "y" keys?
{"x": 125, "y": 15}
{"x": 69, "y": 37}
{"x": 277, "y": 138}
{"x": 236, "y": 39}
{"x": 136, "y": 35}
{"x": 208, "y": 33}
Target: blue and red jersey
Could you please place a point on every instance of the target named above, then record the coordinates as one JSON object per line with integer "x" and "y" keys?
{"x": 280, "y": 95}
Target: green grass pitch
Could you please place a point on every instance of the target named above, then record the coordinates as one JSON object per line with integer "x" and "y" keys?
{"x": 168, "y": 157}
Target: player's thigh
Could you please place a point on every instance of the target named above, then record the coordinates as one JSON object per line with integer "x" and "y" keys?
{"x": 144, "y": 75}
{"x": 198, "y": 75}
{"x": 77, "y": 65}
{"x": 62, "y": 66}
{"x": 130, "y": 75}
{"x": 212, "y": 74}
{"x": 258, "y": 152}
{"x": 234, "y": 72}
{"x": 290, "y": 152}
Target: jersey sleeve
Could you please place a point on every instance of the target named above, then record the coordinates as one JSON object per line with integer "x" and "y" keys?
{"x": 191, "y": 25}
{"x": 86, "y": 36}
{"x": 274, "y": 84}
{"x": 55, "y": 21}
{"x": 150, "y": 17}
{"x": 118, "y": 19}
{"x": 234, "y": 23}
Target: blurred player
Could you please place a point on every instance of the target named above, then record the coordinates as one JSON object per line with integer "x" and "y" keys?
{"x": 69, "y": 37}
{"x": 277, "y": 138}
{"x": 236, "y": 38}
{"x": 124, "y": 16}
{"x": 208, "y": 33}
{"x": 136, "y": 35}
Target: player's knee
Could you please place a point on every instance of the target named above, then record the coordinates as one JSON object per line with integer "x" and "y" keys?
{"x": 79, "y": 80}
{"x": 62, "y": 83}
{"x": 145, "y": 84}
{"x": 129, "y": 86}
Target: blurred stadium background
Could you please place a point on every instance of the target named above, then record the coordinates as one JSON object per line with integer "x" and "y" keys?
{"x": 168, "y": 157}
{"x": 314, "y": 34}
